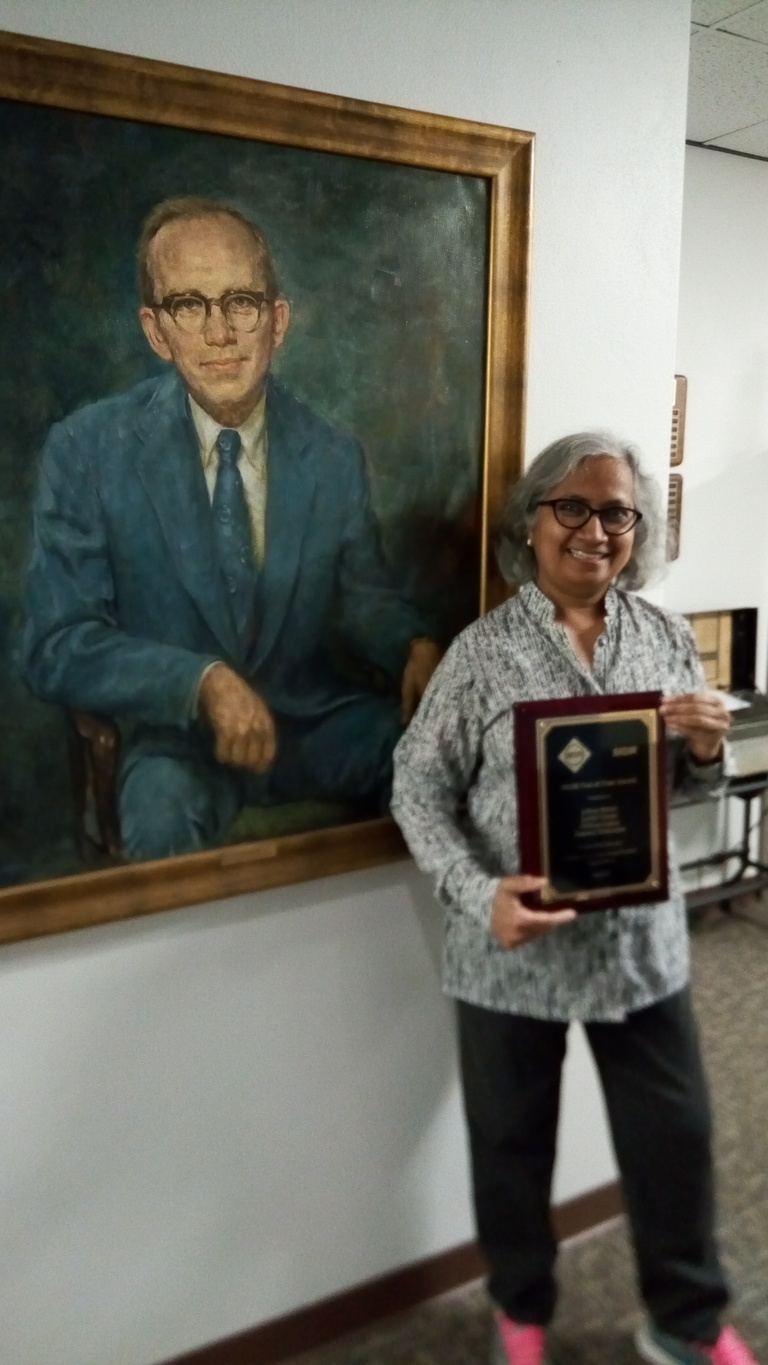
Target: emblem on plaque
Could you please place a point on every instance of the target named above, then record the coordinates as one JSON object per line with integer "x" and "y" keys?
{"x": 574, "y": 755}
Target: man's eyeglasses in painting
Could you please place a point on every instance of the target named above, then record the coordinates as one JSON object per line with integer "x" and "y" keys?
{"x": 573, "y": 513}
{"x": 242, "y": 309}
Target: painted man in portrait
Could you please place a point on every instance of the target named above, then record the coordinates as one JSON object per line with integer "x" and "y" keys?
{"x": 207, "y": 568}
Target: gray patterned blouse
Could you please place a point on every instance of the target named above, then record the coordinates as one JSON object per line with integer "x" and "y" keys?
{"x": 460, "y": 744}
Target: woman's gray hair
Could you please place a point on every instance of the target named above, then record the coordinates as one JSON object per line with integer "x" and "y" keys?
{"x": 515, "y": 557}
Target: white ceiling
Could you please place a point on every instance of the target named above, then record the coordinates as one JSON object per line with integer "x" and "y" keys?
{"x": 728, "y": 85}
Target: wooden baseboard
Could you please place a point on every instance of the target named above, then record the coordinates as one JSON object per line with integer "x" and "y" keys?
{"x": 355, "y": 1309}
{"x": 588, "y": 1211}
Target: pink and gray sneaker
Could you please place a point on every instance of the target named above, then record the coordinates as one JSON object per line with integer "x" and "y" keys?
{"x": 660, "y": 1349}
{"x": 518, "y": 1343}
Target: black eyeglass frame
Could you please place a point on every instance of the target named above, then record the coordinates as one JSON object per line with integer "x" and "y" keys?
{"x": 255, "y": 295}
{"x": 598, "y": 512}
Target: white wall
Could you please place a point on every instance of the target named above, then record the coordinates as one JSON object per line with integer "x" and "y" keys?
{"x": 723, "y": 349}
{"x": 214, "y": 1116}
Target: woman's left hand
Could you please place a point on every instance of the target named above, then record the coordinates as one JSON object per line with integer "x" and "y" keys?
{"x": 702, "y": 719}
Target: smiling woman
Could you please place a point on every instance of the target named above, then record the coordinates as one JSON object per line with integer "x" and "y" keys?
{"x": 583, "y": 523}
{"x": 577, "y": 562}
{"x": 542, "y": 484}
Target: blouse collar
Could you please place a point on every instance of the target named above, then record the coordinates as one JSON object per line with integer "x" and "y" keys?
{"x": 542, "y": 608}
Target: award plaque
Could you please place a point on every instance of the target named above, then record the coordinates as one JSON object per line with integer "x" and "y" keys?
{"x": 592, "y": 807}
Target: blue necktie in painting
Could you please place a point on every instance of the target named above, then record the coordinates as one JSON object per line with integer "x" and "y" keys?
{"x": 232, "y": 528}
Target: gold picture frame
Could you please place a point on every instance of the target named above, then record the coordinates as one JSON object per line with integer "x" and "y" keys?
{"x": 58, "y": 76}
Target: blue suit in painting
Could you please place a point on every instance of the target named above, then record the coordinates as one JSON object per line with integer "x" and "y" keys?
{"x": 126, "y": 607}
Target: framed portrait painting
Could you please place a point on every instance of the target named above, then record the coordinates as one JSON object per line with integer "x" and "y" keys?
{"x": 263, "y": 387}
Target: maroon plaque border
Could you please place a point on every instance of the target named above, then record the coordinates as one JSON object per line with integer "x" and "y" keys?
{"x": 526, "y": 714}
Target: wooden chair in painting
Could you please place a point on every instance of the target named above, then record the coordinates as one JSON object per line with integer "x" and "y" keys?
{"x": 94, "y": 756}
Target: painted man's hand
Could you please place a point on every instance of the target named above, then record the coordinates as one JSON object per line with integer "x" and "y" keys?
{"x": 241, "y": 722}
{"x": 512, "y": 923}
{"x": 702, "y": 718}
{"x": 423, "y": 658}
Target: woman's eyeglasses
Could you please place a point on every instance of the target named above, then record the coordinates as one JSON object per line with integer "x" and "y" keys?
{"x": 573, "y": 513}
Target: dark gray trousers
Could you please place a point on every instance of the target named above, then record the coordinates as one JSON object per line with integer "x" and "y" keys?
{"x": 658, "y": 1106}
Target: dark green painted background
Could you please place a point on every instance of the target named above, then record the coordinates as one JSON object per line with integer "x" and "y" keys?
{"x": 385, "y": 270}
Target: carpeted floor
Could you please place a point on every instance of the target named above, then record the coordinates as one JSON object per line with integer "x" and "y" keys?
{"x": 599, "y": 1306}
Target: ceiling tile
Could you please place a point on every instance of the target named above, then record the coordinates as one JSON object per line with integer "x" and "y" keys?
{"x": 712, "y": 11}
{"x": 753, "y": 23}
{"x": 728, "y": 85}
{"x": 753, "y": 140}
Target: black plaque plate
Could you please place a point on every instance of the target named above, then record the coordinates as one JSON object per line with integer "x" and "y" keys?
{"x": 592, "y": 799}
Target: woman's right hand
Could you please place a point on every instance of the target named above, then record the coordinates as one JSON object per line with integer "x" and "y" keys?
{"x": 512, "y": 923}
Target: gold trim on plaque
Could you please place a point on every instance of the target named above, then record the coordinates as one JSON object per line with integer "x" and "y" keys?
{"x": 649, "y": 716}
